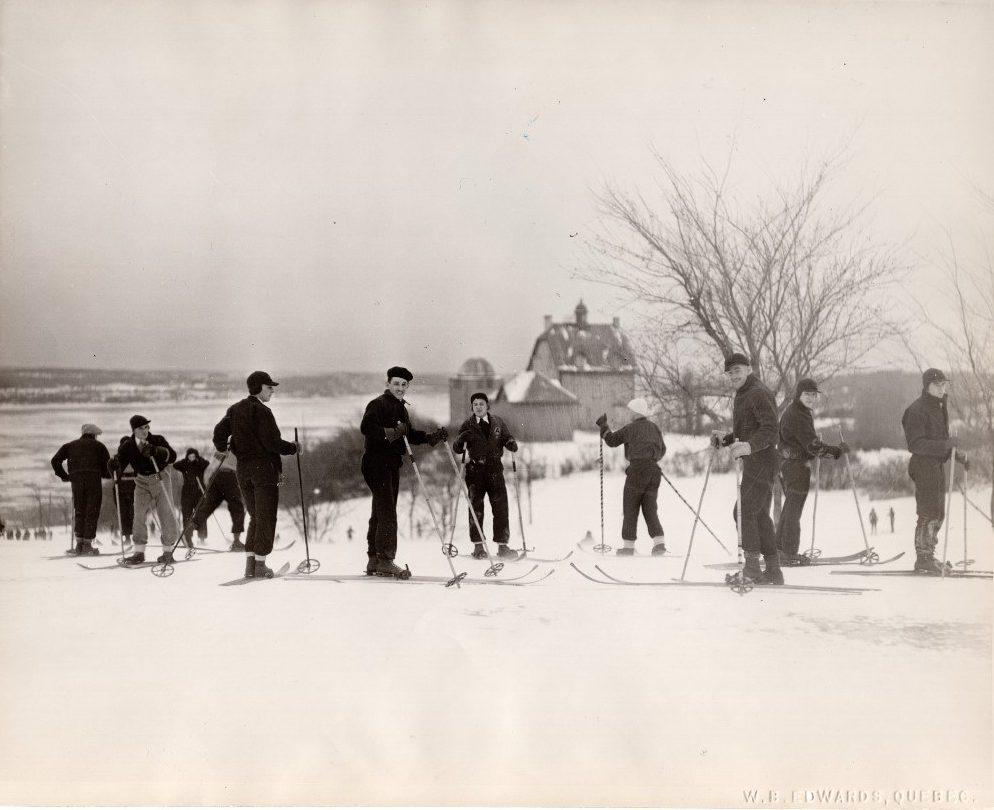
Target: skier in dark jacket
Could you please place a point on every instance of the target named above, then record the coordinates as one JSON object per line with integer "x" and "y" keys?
{"x": 384, "y": 425}
{"x": 192, "y": 467}
{"x": 221, "y": 487}
{"x": 257, "y": 444}
{"x": 926, "y": 430}
{"x": 754, "y": 438}
{"x": 148, "y": 454}
{"x": 798, "y": 445}
{"x": 644, "y": 447}
{"x": 88, "y": 463}
{"x": 484, "y": 436}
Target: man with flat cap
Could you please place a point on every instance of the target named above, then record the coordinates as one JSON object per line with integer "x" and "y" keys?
{"x": 256, "y": 443}
{"x": 926, "y": 430}
{"x": 148, "y": 454}
{"x": 88, "y": 463}
{"x": 384, "y": 425}
{"x": 754, "y": 439}
{"x": 798, "y": 445}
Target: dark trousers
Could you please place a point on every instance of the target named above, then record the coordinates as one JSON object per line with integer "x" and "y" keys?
{"x": 758, "y": 534}
{"x": 796, "y": 479}
{"x": 640, "y": 493}
{"x": 223, "y": 488}
{"x": 258, "y": 482}
{"x": 482, "y": 481}
{"x": 383, "y": 481}
{"x": 189, "y": 500}
{"x": 87, "y": 493}
{"x": 126, "y": 502}
{"x": 930, "y": 501}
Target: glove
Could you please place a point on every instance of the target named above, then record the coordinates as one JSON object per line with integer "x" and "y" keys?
{"x": 601, "y": 421}
{"x": 962, "y": 460}
{"x": 512, "y": 446}
{"x": 740, "y": 449}
{"x": 114, "y": 464}
{"x": 831, "y": 450}
{"x": 65, "y": 478}
{"x": 721, "y": 439}
{"x": 439, "y": 435}
{"x": 397, "y": 432}
{"x": 843, "y": 448}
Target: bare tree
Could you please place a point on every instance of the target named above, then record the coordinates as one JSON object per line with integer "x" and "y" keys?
{"x": 791, "y": 279}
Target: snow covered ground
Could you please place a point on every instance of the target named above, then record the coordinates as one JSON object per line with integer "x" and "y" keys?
{"x": 118, "y": 687}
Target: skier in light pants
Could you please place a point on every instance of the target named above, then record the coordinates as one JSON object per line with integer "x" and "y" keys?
{"x": 148, "y": 454}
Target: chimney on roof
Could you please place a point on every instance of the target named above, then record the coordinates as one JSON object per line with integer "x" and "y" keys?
{"x": 548, "y": 322}
{"x": 581, "y": 315}
{"x": 616, "y": 322}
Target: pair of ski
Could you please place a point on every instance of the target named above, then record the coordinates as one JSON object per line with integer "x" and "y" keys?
{"x": 116, "y": 565}
{"x": 849, "y": 559}
{"x": 525, "y": 578}
{"x": 951, "y": 573}
{"x": 611, "y": 580}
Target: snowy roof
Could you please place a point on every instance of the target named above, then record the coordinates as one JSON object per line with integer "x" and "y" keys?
{"x": 591, "y": 347}
{"x": 531, "y": 386}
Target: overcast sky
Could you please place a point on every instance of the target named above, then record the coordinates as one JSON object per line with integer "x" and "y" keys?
{"x": 346, "y": 185}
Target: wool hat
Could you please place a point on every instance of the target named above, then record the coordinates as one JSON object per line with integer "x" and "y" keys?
{"x": 138, "y": 421}
{"x": 257, "y": 379}
{"x": 399, "y": 371}
{"x": 806, "y": 386}
{"x": 641, "y": 406}
{"x": 479, "y": 395}
{"x": 91, "y": 429}
{"x": 736, "y": 359}
{"x": 933, "y": 375}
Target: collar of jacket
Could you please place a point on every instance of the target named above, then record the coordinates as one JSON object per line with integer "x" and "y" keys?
{"x": 389, "y": 397}
{"x": 750, "y": 382}
{"x": 932, "y": 400}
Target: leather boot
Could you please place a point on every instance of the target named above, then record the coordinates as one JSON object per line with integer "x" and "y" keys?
{"x": 752, "y": 568}
{"x": 773, "y": 575}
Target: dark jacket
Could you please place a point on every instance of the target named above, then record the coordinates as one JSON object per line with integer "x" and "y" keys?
{"x": 754, "y": 415}
{"x": 128, "y": 453}
{"x": 385, "y": 412}
{"x": 642, "y": 439}
{"x": 254, "y": 433}
{"x": 926, "y": 428}
{"x": 193, "y": 472}
{"x": 85, "y": 455}
{"x": 484, "y": 446}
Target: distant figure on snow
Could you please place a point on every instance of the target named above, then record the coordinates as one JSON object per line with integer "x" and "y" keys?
{"x": 890, "y": 514}
{"x": 873, "y": 520}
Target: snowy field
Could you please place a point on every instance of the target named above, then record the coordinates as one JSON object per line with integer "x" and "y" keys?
{"x": 120, "y": 688}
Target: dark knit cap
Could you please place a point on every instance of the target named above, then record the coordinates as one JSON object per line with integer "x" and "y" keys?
{"x": 933, "y": 375}
{"x": 805, "y": 386}
{"x": 399, "y": 371}
{"x": 478, "y": 395}
{"x": 736, "y": 359}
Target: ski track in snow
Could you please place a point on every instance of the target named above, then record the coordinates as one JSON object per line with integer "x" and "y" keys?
{"x": 564, "y": 692}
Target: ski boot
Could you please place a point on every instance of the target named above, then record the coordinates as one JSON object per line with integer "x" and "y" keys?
{"x": 506, "y": 553}
{"x": 752, "y": 569}
{"x": 236, "y": 544}
{"x": 479, "y": 552}
{"x": 165, "y": 557}
{"x": 658, "y": 546}
{"x": 77, "y": 549}
{"x": 371, "y": 565}
{"x": 388, "y": 568}
{"x": 793, "y": 560}
{"x": 927, "y": 564}
{"x": 773, "y": 575}
{"x": 624, "y": 552}
{"x": 263, "y": 571}
{"x": 135, "y": 559}
{"x": 249, "y": 567}
{"x": 89, "y": 550}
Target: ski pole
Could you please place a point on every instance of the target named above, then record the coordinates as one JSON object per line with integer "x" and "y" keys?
{"x": 697, "y": 514}
{"x": 814, "y": 509}
{"x": 517, "y": 500}
{"x": 870, "y": 557}
{"x": 983, "y": 514}
{"x": 456, "y": 578}
{"x": 603, "y": 548}
{"x": 966, "y": 477}
{"x": 117, "y": 509}
{"x": 691, "y": 508}
{"x": 495, "y": 568}
{"x": 307, "y": 566}
{"x": 450, "y": 550}
{"x": 949, "y": 506}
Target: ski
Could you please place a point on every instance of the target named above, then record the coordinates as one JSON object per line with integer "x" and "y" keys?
{"x": 280, "y": 574}
{"x": 670, "y": 554}
{"x": 952, "y": 573}
{"x": 423, "y": 580}
{"x": 526, "y": 557}
{"x": 848, "y": 559}
{"x": 146, "y": 564}
{"x": 610, "y": 580}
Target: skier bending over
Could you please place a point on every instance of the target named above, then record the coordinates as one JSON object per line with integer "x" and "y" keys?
{"x": 644, "y": 447}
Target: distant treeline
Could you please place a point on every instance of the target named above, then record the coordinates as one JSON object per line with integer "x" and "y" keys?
{"x": 25, "y": 386}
